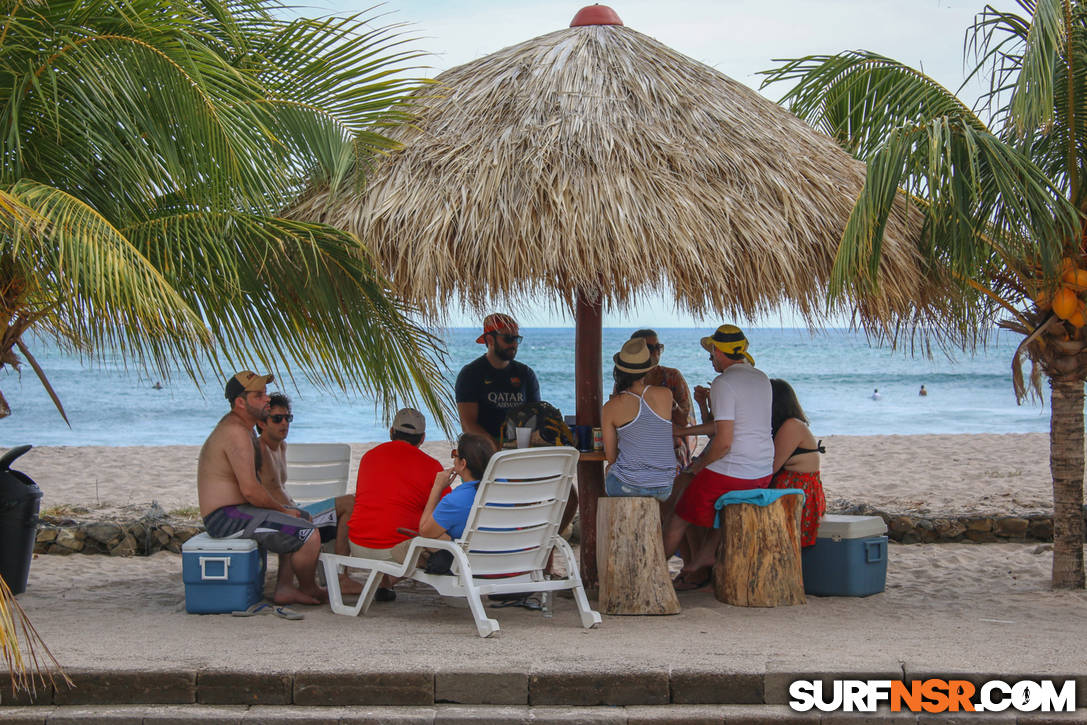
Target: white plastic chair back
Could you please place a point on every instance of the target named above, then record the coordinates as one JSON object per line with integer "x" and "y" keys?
{"x": 316, "y": 471}
{"x": 519, "y": 503}
{"x": 511, "y": 529}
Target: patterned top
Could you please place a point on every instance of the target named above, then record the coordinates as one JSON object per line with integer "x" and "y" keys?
{"x": 673, "y": 380}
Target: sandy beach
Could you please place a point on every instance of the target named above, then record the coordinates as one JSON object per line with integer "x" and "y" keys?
{"x": 947, "y": 608}
{"x": 920, "y": 474}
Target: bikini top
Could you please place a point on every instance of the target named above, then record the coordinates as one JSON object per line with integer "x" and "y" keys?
{"x": 819, "y": 448}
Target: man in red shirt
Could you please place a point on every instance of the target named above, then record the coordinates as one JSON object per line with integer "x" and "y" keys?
{"x": 392, "y": 489}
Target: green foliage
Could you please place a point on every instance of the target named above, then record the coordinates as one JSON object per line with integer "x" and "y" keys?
{"x": 1001, "y": 198}
{"x": 994, "y": 193}
{"x": 147, "y": 150}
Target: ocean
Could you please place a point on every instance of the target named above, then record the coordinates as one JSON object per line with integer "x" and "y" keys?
{"x": 834, "y": 373}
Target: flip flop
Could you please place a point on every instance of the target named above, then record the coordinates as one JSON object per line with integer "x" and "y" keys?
{"x": 527, "y": 601}
{"x": 278, "y": 610}
{"x": 682, "y": 584}
{"x": 287, "y": 613}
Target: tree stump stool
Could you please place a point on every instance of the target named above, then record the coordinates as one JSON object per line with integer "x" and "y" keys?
{"x": 758, "y": 557}
{"x": 630, "y": 561}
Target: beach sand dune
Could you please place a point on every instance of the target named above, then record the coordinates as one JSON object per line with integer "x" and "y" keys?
{"x": 922, "y": 474}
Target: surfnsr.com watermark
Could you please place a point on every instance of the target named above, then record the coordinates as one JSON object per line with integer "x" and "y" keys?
{"x": 933, "y": 695}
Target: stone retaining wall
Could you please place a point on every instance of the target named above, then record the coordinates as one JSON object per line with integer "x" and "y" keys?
{"x": 153, "y": 531}
{"x": 157, "y": 531}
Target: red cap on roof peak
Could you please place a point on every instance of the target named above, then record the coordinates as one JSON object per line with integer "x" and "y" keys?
{"x": 595, "y": 15}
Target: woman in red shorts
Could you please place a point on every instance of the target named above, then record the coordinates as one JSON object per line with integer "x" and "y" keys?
{"x": 796, "y": 457}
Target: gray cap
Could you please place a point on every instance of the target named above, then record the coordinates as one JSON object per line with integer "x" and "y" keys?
{"x": 409, "y": 420}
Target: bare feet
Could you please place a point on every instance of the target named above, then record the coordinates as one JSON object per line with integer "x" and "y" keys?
{"x": 285, "y": 594}
{"x": 318, "y": 593}
{"x": 349, "y": 585}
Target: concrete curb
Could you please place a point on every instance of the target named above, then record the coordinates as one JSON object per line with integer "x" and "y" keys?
{"x": 543, "y": 687}
{"x": 497, "y": 714}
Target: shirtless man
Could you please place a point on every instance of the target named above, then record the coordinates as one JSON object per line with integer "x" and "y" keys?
{"x": 234, "y": 503}
{"x": 329, "y": 516}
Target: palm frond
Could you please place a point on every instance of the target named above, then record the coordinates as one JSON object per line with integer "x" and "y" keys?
{"x": 36, "y": 665}
{"x": 86, "y": 277}
{"x": 859, "y": 97}
{"x": 277, "y": 291}
{"x": 986, "y": 204}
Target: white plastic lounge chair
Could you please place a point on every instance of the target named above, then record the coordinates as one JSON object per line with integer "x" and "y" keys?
{"x": 511, "y": 529}
{"x": 316, "y": 471}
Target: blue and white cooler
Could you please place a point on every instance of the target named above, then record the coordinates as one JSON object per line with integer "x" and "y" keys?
{"x": 221, "y": 575}
{"x": 849, "y": 558}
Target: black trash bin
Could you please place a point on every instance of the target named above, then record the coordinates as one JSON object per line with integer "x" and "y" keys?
{"x": 20, "y": 498}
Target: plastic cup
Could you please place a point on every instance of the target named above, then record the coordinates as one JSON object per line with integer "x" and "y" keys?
{"x": 524, "y": 437}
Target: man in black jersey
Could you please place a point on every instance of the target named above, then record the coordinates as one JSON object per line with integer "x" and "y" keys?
{"x": 494, "y": 384}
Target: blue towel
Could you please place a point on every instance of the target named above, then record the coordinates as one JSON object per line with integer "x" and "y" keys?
{"x": 756, "y": 496}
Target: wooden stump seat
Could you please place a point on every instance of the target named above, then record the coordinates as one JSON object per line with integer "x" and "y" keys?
{"x": 630, "y": 558}
{"x": 758, "y": 557}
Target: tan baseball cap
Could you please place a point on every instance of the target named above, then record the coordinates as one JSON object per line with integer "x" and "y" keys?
{"x": 409, "y": 420}
{"x": 246, "y": 381}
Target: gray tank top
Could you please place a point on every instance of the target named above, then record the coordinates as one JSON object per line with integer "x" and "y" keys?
{"x": 646, "y": 454}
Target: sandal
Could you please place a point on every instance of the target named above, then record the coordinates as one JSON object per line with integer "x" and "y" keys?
{"x": 684, "y": 583}
{"x": 279, "y": 610}
{"x": 523, "y": 600}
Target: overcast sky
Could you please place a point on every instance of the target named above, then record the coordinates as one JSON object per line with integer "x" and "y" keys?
{"x": 736, "y": 37}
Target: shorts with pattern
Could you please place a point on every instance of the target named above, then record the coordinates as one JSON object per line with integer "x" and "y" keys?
{"x": 323, "y": 516}
{"x": 277, "y": 532}
{"x": 696, "y": 504}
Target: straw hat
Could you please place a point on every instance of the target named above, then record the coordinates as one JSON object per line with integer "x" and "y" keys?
{"x": 634, "y": 357}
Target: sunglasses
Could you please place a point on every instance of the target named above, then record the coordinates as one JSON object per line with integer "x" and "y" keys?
{"x": 280, "y": 417}
{"x": 453, "y": 453}
{"x": 655, "y": 348}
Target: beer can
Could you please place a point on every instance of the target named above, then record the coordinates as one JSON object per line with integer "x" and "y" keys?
{"x": 598, "y": 439}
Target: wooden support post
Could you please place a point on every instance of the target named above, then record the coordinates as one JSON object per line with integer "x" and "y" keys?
{"x": 630, "y": 558}
{"x": 589, "y": 396}
{"x": 758, "y": 559}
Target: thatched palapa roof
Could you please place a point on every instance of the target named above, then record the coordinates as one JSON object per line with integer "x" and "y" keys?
{"x": 596, "y": 159}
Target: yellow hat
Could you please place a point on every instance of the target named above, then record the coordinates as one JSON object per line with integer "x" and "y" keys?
{"x": 730, "y": 340}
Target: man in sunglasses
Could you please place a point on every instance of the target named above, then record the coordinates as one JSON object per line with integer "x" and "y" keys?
{"x": 489, "y": 387}
{"x": 329, "y": 516}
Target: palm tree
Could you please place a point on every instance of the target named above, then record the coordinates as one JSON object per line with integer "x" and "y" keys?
{"x": 1000, "y": 188}
{"x": 147, "y": 148}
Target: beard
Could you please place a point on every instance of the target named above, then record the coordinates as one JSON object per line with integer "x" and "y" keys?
{"x": 260, "y": 414}
{"x": 505, "y": 353}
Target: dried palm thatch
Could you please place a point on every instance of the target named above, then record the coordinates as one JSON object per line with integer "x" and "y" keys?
{"x": 37, "y": 664}
{"x": 597, "y": 161}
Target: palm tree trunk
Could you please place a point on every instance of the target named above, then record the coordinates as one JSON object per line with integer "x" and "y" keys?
{"x": 1066, "y": 465}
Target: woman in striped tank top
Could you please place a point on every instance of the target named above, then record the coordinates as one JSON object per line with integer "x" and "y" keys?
{"x": 637, "y": 428}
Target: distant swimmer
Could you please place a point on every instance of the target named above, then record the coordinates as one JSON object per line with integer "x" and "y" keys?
{"x": 157, "y": 386}
{"x": 923, "y": 392}
{"x": 876, "y": 395}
